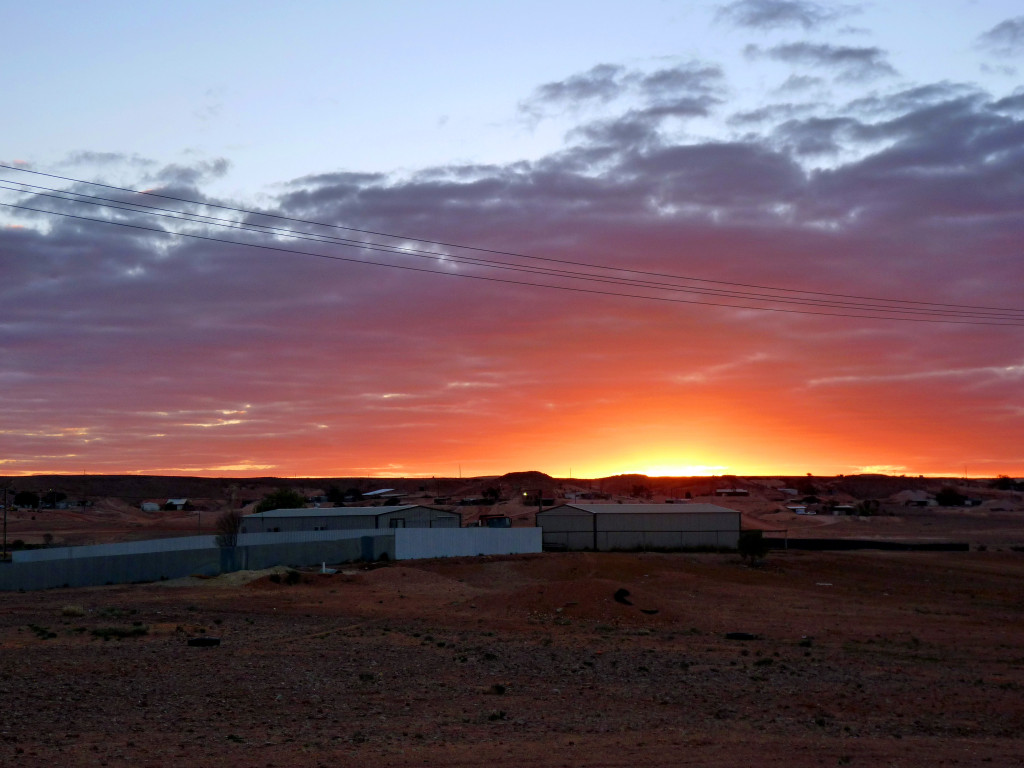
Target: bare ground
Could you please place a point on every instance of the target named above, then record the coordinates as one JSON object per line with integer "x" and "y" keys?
{"x": 862, "y": 658}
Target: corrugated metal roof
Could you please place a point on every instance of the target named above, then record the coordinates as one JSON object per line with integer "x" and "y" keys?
{"x": 333, "y": 511}
{"x": 645, "y": 509}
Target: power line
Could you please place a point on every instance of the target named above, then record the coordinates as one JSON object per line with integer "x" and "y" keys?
{"x": 375, "y": 233}
{"x": 176, "y": 215}
{"x": 503, "y": 280}
{"x": 886, "y": 309}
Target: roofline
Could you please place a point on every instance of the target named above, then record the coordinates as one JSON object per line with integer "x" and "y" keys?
{"x": 339, "y": 511}
{"x": 656, "y": 509}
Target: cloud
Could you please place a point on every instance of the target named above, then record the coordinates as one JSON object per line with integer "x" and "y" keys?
{"x": 690, "y": 88}
{"x": 601, "y": 84}
{"x": 817, "y": 135}
{"x": 773, "y": 14}
{"x": 1005, "y": 38}
{"x": 116, "y": 340}
{"x": 105, "y": 159}
{"x": 769, "y": 114}
{"x": 797, "y": 83}
{"x": 972, "y": 375}
{"x": 852, "y": 64}
{"x": 1014, "y": 103}
{"x": 175, "y": 175}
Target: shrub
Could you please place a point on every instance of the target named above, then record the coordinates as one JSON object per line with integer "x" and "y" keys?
{"x": 43, "y": 633}
{"x": 282, "y": 498}
{"x": 227, "y": 527}
{"x": 752, "y": 546}
{"x": 120, "y": 633}
{"x": 950, "y": 497}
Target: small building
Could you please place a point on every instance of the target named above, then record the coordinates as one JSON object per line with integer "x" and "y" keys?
{"x": 178, "y": 504}
{"x": 639, "y": 526}
{"x": 731, "y": 492}
{"x": 149, "y": 506}
{"x": 914, "y": 499}
{"x": 349, "y": 518}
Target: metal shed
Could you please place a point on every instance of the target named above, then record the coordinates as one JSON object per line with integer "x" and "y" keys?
{"x": 349, "y": 518}
{"x": 639, "y": 526}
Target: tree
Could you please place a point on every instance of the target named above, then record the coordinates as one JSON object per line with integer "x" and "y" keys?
{"x": 52, "y": 498}
{"x": 282, "y": 498}
{"x": 949, "y": 497}
{"x": 752, "y": 546}
{"x": 867, "y": 507}
{"x": 641, "y": 491}
{"x": 1005, "y": 483}
{"x": 26, "y": 499}
{"x": 227, "y": 527}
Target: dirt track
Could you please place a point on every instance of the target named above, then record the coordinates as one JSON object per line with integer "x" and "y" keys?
{"x": 861, "y": 658}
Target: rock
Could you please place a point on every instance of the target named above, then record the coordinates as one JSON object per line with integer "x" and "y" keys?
{"x": 204, "y": 642}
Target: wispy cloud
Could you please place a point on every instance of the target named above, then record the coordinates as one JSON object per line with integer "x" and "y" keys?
{"x": 853, "y": 64}
{"x": 774, "y": 14}
{"x": 977, "y": 375}
{"x": 1005, "y": 39}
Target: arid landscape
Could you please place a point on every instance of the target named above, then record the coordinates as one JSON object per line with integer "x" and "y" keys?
{"x": 862, "y": 658}
{"x": 809, "y": 659}
{"x": 112, "y": 504}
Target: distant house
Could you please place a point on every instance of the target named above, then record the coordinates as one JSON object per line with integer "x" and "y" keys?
{"x": 798, "y": 509}
{"x": 731, "y": 492}
{"x": 178, "y": 504}
{"x": 149, "y": 506}
{"x": 349, "y": 518}
{"x": 914, "y": 499}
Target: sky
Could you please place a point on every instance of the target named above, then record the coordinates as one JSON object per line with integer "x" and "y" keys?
{"x": 761, "y": 237}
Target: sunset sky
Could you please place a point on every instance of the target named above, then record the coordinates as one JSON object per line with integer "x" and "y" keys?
{"x": 757, "y": 237}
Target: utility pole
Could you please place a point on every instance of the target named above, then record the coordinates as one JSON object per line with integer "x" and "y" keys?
{"x": 6, "y": 489}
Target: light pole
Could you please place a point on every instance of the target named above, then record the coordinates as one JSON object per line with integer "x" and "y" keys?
{"x": 6, "y": 488}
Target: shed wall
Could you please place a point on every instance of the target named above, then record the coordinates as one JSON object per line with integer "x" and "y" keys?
{"x": 413, "y": 543}
{"x": 574, "y": 530}
{"x": 420, "y": 517}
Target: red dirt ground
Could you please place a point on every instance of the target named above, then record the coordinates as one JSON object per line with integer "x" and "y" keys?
{"x": 860, "y": 658}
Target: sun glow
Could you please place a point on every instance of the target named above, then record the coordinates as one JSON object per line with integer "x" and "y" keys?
{"x": 682, "y": 470}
